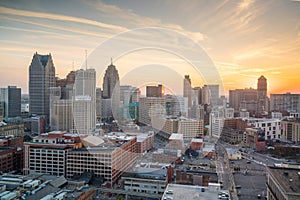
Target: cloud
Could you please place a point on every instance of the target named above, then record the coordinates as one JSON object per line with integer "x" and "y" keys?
{"x": 31, "y": 31}
{"x": 62, "y": 28}
{"x": 245, "y": 4}
{"x": 24, "y": 13}
{"x": 135, "y": 20}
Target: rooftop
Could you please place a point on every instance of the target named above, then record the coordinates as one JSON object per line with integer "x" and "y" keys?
{"x": 147, "y": 173}
{"x": 288, "y": 178}
{"x": 176, "y": 136}
{"x": 197, "y": 140}
{"x": 179, "y": 192}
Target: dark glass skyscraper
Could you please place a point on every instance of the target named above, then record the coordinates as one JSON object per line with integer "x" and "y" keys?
{"x": 110, "y": 82}
{"x": 11, "y": 98}
{"x": 41, "y": 78}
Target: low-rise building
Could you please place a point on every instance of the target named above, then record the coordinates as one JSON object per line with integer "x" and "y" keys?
{"x": 196, "y": 177}
{"x": 180, "y": 192}
{"x": 271, "y": 127}
{"x": 167, "y": 156}
{"x": 146, "y": 180}
{"x": 233, "y": 154}
{"x": 255, "y": 139}
{"x": 16, "y": 129}
{"x": 283, "y": 183}
{"x": 144, "y": 142}
{"x": 176, "y": 142}
{"x": 109, "y": 160}
{"x": 209, "y": 150}
{"x": 196, "y": 144}
{"x": 47, "y": 153}
{"x": 232, "y": 136}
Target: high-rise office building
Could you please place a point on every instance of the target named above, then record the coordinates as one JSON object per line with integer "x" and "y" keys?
{"x": 61, "y": 115}
{"x": 285, "y": 102}
{"x": 291, "y": 129}
{"x": 213, "y": 94}
{"x": 255, "y": 101}
{"x": 129, "y": 97}
{"x": 41, "y": 78}
{"x": 11, "y": 98}
{"x": 1, "y": 110}
{"x": 187, "y": 87}
{"x": 111, "y": 82}
{"x": 154, "y": 91}
{"x": 151, "y": 108}
{"x": 196, "y": 95}
{"x": 243, "y": 99}
{"x": 84, "y": 101}
{"x": 111, "y": 90}
{"x": 98, "y": 104}
{"x": 262, "y": 94}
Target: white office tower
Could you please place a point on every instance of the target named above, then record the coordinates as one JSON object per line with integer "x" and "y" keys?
{"x": 181, "y": 106}
{"x": 214, "y": 94}
{"x": 61, "y": 117}
{"x": 216, "y": 121}
{"x": 84, "y": 101}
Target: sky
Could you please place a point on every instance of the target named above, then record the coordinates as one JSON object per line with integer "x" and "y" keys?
{"x": 226, "y": 42}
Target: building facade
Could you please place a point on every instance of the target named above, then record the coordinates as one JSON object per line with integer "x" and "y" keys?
{"x": 84, "y": 101}
{"x": 109, "y": 161}
{"x": 285, "y": 102}
{"x": 146, "y": 180}
{"x": 262, "y": 95}
{"x": 271, "y": 127}
{"x": 11, "y": 97}
{"x": 154, "y": 91}
{"x": 187, "y": 89}
{"x": 16, "y": 129}
{"x": 47, "y": 153}
{"x": 291, "y": 130}
{"x": 255, "y": 139}
{"x": 41, "y": 78}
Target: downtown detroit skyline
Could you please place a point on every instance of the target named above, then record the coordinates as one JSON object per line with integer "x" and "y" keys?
{"x": 244, "y": 39}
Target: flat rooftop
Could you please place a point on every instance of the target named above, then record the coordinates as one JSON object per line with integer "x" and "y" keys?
{"x": 288, "y": 178}
{"x": 147, "y": 173}
{"x": 176, "y": 136}
{"x": 180, "y": 192}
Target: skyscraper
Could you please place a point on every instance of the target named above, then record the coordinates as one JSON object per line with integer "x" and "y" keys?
{"x": 110, "y": 81}
{"x": 111, "y": 91}
{"x": 41, "y": 78}
{"x": 84, "y": 101}
{"x": 187, "y": 87}
{"x": 213, "y": 94}
{"x": 154, "y": 91}
{"x": 262, "y": 94}
{"x": 61, "y": 116}
{"x": 11, "y": 98}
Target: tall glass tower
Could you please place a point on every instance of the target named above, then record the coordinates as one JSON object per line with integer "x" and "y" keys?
{"x": 41, "y": 78}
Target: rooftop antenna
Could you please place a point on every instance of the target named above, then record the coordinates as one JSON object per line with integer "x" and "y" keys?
{"x": 85, "y": 59}
{"x": 73, "y": 66}
{"x": 111, "y": 63}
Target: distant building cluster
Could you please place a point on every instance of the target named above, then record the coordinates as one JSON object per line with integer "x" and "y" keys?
{"x": 67, "y": 133}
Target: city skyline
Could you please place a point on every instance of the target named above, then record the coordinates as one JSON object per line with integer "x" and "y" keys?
{"x": 244, "y": 39}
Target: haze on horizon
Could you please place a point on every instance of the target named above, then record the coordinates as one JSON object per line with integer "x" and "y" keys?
{"x": 244, "y": 39}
